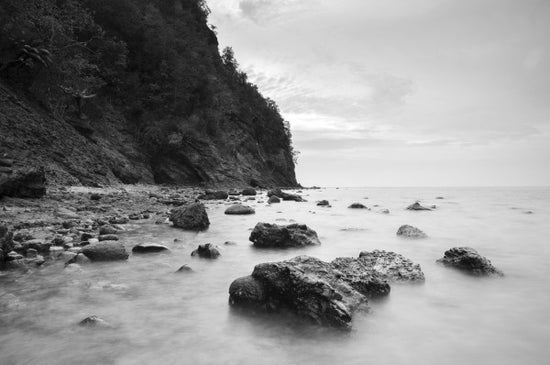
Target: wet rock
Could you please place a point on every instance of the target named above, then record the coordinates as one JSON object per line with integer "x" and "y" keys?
{"x": 191, "y": 217}
{"x": 214, "y": 195}
{"x": 357, "y": 206}
{"x": 323, "y": 203}
{"x": 94, "y": 321}
{"x": 249, "y": 191}
{"x": 309, "y": 287}
{"x": 149, "y": 248}
{"x": 108, "y": 237}
{"x": 469, "y": 260}
{"x": 417, "y": 206}
{"x": 285, "y": 196}
{"x": 105, "y": 251}
{"x": 107, "y": 229}
{"x": 266, "y": 235}
{"x": 392, "y": 266}
{"x": 184, "y": 268}
{"x": 207, "y": 251}
{"x": 25, "y": 183}
{"x": 86, "y": 236}
{"x": 239, "y": 209}
{"x": 119, "y": 220}
{"x": 273, "y": 199}
{"x": 410, "y": 232}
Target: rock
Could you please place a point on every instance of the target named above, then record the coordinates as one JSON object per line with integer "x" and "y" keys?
{"x": 93, "y": 240}
{"x": 184, "y": 268}
{"x": 108, "y": 237}
{"x": 249, "y": 191}
{"x": 105, "y": 251}
{"x": 273, "y": 199}
{"x": 385, "y": 211}
{"x": 25, "y": 183}
{"x": 285, "y": 196}
{"x": 191, "y": 217}
{"x": 66, "y": 214}
{"x": 119, "y": 220}
{"x": 148, "y": 248}
{"x": 36, "y": 244}
{"x": 32, "y": 253}
{"x": 239, "y": 209}
{"x": 107, "y": 229}
{"x": 392, "y": 266}
{"x": 323, "y": 203}
{"x": 469, "y": 260}
{"x": 12, "y": 255}
{"x": 81, "y": 259}
{"x": 311, "y": 288}
{"x": 86, "y": 236}
{"x": 214, "y": 195}
{"x": 230, "y": 243}
{"x": 440, "y": 197}
{"x": 357, "y": 206}
{"x": 207, "y": 251}
{"x": 417, "y": 206}
{"x": 266, "y": 235}
{"x": 95, "y": 196}
{"x": 94, "y": 321}
{"x": 410, "y": 232}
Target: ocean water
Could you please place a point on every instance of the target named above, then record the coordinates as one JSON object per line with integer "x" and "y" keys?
{"x": 161, "y": 317}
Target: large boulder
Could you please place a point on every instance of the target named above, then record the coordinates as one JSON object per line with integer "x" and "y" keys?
{"x": 239, "y": 209}
{"x": 410, "y": 232}
{"x": 285, "y": 196}
{"x": 105, "y": 251}
{"x": 192, "y": 217}
{"x": 214, "y": 195}
{"x": 469, "y": 260}
{"x": 25, "y": 183}
{"x": 417, "y": 206}
{"x": 266, "y": 235}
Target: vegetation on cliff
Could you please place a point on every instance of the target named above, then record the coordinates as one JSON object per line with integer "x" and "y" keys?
{"x": 146, "y": 74}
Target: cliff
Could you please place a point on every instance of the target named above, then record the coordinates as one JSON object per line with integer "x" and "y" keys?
{"x": 107, "y": 91}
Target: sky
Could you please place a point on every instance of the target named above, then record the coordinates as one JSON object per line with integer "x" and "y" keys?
{"x": 402, "y": 92}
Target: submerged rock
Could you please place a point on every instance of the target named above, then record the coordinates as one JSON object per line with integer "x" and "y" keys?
{"x": 148, "y": 248}
{"x": 469, "y": 260}
{"x": 417, "y": 206}
{"x": 410, "y": 232}
{"x": 357, "y": 206}
{"x": 105, "y": 251}
{"x": 239, "y": 209}
{"x": 275, "y": 236}
{"x": 191, "y": 217}
{"x": 285, "y": 196}
{"x": 184, "y": 268}
{"x": 207, "y": 251}
{"x": 94, "y": 321}
{"x": 326, "y": 293}
{"x": 273, "y": 199}
{"x": 323, "y": 203}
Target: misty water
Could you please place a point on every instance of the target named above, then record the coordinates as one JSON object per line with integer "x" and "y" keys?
{"x": 162, "y": 317}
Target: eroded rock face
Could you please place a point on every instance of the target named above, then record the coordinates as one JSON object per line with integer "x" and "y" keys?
{"x": 285, "y": 196}
{"x": 105, "y": 251}
{"x": 266, "y": 235}
{"x": 26, "y": 183}
{"x": 239, "y": 209}
{"x": 469, "y": 260}
{"x": 192, "y": 217}
{"x": 410, "y": 232}
{"x": 417, "y": 206}
{"x": 326, "y": 293}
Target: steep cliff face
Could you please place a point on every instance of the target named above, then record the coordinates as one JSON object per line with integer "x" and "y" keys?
{"x": 108, "y": 91}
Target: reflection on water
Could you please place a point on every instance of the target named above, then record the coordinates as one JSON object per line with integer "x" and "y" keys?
{"x": 163, "y": 317}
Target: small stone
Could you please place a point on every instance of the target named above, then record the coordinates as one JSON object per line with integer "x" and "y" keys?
{"x": 357, "y": 206}
{"x": 323, "y": 203}
{"x": 273, "y": 199}
{"x": 108, "y": 237}
{"x": 149, "y": 248}
{"x": 107, "y": 229}
{"x": 184, "y": 268}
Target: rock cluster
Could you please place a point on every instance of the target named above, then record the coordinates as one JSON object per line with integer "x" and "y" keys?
{"x": 266, "y": 235}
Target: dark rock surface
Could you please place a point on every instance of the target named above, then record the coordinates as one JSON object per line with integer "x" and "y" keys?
{"x": 357, "y": 206}
{"x": 207, "y": 251}
{"x": 214, "y": 195}
{"x": 192, "y": 217}
{"x": 469, "y": 260}
{"x": 323, "y": 203}
{"x": 94, "y": 321}
{"x": 184, "y": 269}
{"x": 108, "y": 237}
{"x": 239, "y": 209}
{"x": 273, "y": 199}
{"x": 105, "y": 251}
{"x": 249, "y": 192}
{"x": 24, "y": 183}
{"x": 266, "y": 235}
{"x": 149, "y": 248}
{"x": 410, "y": 232}
{"x": 107, "y": 229}
{"x": 285, "y": 196}
{"x": 417, "y": 206}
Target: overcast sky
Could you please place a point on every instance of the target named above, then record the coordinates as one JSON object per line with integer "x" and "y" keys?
{"x": 402, "y": 93}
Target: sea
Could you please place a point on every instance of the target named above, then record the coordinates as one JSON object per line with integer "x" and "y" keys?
{"x": 158, "y": 316}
